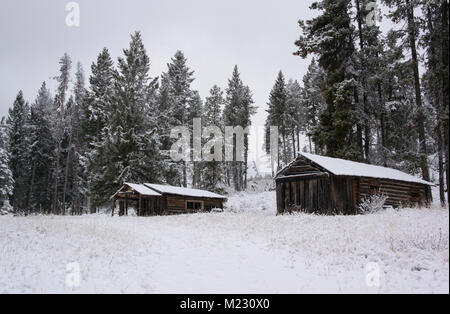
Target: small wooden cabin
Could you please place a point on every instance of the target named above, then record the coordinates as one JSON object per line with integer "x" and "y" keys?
{"x": 325, "y": 185}
{"x": 154, "y": 199}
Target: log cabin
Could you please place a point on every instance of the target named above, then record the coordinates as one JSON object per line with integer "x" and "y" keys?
{"x": 155, "y": 199}
{"x": 324, "y": 185}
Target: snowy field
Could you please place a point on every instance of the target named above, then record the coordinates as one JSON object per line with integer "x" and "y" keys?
{"x": 247, "y": 249}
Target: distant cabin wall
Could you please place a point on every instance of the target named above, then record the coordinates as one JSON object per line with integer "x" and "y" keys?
{"x": 321, "y": 195}
{"x": 399, "y": 193}
{"x": 177, "y": 204}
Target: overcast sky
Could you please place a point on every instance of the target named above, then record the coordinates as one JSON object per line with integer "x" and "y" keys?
{"x": 256, "y": 35}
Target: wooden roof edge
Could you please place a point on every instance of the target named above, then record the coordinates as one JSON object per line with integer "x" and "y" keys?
{"x": 305, "y": 175}
{"x": 300, "y": 157}
{"x": 171, "y": 193}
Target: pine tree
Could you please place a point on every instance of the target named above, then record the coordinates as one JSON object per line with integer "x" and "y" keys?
{"x": 330, "y": 37}
{"x": 212, "y": 172}
{"x": 96, "y": 110}
{"x": 403, "y": 10}
{"x": 313, "y": 102}
{"x": 399, "y": 146}
{"x": 63, "y": 84}
{"x": 6, "y": 175}
{"x": 390, "y": 75}
{"x": 181, "y": 78}
{"x": 375, "y": 69}
{"x": 97, "y": 106}
{"x": 42, "y": 151}
{"x": 237, "y": 112}
{"x": 278, "y": 116}
{"x": 19, "y": 145}
{"x": 433, "y": 26}
{"x": 75, "y": 176}
{"x": 213, "y": 107}
{"x": 130, "y": 138}
{"x": 195, "y": 111}
{"x": 296, "y": 113}
{"x": 177, "y": 86}
{"x": 172, "y": 171}
{"x": 367, "y": 68}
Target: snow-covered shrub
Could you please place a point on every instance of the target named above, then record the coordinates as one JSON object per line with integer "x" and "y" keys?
{"x": 6, "y": 208}
{"x": 372, "y": 204}
{"x": 251, "y": 202}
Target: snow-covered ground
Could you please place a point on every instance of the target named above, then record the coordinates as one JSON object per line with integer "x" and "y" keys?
{"x": 247, "y": 249}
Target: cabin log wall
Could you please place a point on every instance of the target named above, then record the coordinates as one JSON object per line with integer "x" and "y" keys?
{"x": 398, "y": 193}
{"x": 176, "y": 204}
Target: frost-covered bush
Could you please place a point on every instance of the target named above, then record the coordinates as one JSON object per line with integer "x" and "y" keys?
{"x": 251, "y": 202}
{"x": 5, "y": 208}
{"x": 372, "y": 204}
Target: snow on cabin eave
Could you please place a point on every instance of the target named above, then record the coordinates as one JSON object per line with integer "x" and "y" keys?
{"x": 181, "y": 191}
{"x": 348, "y": 168}
{"x": 138, "y": 188}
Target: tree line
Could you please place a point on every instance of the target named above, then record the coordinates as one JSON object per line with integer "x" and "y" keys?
{"x": 67, "y": 153}
{"x": 369, "y": 96}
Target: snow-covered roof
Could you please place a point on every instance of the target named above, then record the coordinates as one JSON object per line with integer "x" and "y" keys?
{"x": 167, "y": 189}
{"x": 142, "y": 189}
{"x": 342, "y": 167}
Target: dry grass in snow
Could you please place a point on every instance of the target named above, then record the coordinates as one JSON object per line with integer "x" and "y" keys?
{"x": 247, "y": 249}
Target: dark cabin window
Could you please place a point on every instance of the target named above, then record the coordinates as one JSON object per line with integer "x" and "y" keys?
{"x": 193, "y": 205}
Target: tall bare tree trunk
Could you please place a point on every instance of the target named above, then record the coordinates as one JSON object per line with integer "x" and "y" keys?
{"x": 284, "y": 149}
{"x": 445, "y": 90}
{"x": 382, "y": 122}
{"x": 66, "y": 176}
{"x": 30, "y": 192}
{"x": 437, "y": 99}
{"x": 367, "y": 132}
{"x": 185, "y": 174}
{"x": 293, "y": 144}
{"x": 194, "y": 174}
{"x": 420, "y": 116}
{"x": 245, "y": 175}
{"x": 441, "y": 168}
{"x": 58, "y": 157}
{"x": 359, "y": 128}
